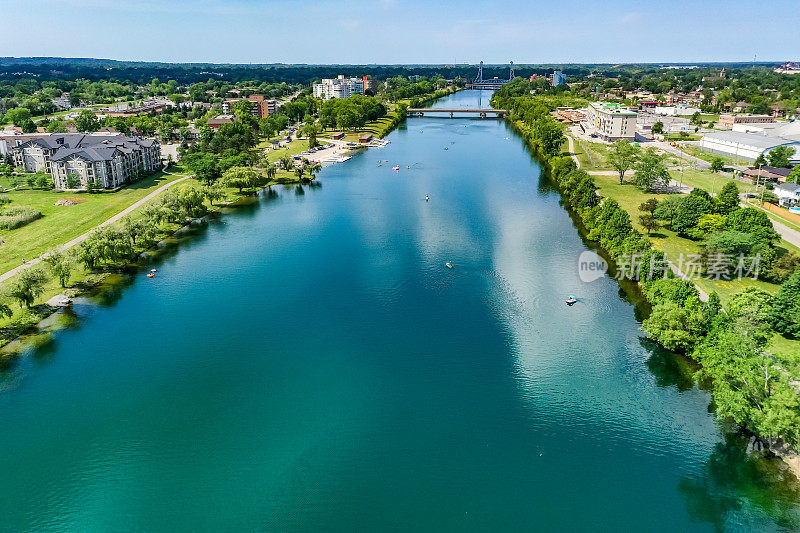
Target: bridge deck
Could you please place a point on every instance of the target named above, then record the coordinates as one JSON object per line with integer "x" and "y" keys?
{"x": 453, "y": 110}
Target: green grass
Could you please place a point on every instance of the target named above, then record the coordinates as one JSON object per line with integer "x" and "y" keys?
{"x": 592, "y": 156}
{"x": 784, "y": 349}
{"x": 630, "y": 198}
{"x": 60, "y": 224}
{"x": 374, "y": 128}
{"x": 709, "y": 156}
{"x": 675, "y": 137}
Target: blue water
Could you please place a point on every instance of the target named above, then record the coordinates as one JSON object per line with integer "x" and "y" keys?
{"x": 309, "y": 364}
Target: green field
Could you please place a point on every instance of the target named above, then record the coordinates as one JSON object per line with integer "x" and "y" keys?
{"x": 60, "y": 224}
{"x": 708, "y": 156}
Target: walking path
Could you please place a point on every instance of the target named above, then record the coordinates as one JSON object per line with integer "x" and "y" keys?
{"x": 792, "y": 236}
{"x": 574, "y": 157}
{"x": 80, "y": 238}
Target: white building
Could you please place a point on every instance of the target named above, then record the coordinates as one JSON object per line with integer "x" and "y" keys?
{"x": 787, "y": 130}
{"x": 610, "y": 121}
{"x": 675, "y": 111}
{"x": 339, "y": 87}
{"x": 788, "y": 194}
{"x": 746, "y": 145}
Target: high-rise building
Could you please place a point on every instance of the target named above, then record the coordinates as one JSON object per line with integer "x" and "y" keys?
{"x": 339, "y": 87}
{"x": 558, "y": 78}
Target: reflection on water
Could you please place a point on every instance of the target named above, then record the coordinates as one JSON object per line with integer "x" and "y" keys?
{"x": 308, "y": 363}
{"x": 737, "y": 487}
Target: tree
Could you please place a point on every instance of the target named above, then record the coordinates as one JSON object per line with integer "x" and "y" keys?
{"x": 697, "y": 118}
{"x": 651, "y": 173}
{"x": 761, "y": 161}
{"x": 648, "y": 222}
{"x": 18, "y": 116}
{"x": 750, "y": 312}
{"x": 717, "y": 164}
{"x": 27, "y": 286}
{"x": 622, "y": 156}
{"x": 690, "y": 209}
{"x": 60, "y": 265}
{"x": 794, "y": 175}
{"x": 728, "y": 198}
{"x": 213, "y": 192}
{"x": 676, "y": 327}
{"x": 785, "y": 312}
{"x": 87, "y": 121}
{"x": 73, "y": 181}
{"x": 5, "y": 310}
{"x": 549, "y": 136}
{"x": 706, "y": 225}
{"x": 240, "y": 177}
{"x": 658, "y": 128}
{"x": 780, "y": 155}
{"x": 667, "y": 208}
{"x": 649, "y": 205}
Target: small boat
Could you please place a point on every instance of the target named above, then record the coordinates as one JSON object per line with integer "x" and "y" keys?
{"x": 426, "y": 198}
{"x": 396, "y": 168}
{"x": 151, "y": 275}
{"x": 449, "y": 264}
{"x": 571, "y": 300}
{"x": 153, "y": 270}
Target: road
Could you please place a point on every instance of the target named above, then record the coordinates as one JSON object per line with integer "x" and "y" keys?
{"x": 80, "y": 238}
{"x": 792, "y": 236}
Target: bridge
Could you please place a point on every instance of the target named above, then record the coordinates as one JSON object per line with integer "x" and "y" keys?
{"x": 483, "y": 113}
{"x": 492, "y": 83}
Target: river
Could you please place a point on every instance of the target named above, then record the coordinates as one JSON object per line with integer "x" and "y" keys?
{"x": 309, "y": 364}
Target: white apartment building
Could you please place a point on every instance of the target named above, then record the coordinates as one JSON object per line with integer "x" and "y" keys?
{"x": 610, "y": 121}
{"x": 339, "y": 87}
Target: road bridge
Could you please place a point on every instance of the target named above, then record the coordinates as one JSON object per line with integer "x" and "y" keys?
{"x": 483, "y": 113}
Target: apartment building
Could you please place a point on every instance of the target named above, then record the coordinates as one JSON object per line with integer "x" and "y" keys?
{"x": 558, "y": 78}
{"x": 339, "y": 87}
{"x": 260, "y": 107}
{"x": 610, "y": 121}
{"x": 107, "y": 160}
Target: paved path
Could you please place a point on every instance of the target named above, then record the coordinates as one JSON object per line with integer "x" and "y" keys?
{"x": 80, "y": 238}
{"x": 792, "y": 236}
{"x": 571, "y": 144}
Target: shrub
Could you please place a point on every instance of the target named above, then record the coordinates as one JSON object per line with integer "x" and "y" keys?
{"x": 17, "y": 216}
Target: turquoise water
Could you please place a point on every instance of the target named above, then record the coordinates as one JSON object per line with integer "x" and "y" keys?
{"x": 309, "y": 364}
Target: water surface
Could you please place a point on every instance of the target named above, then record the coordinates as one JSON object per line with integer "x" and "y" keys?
{"x": 309, "y": 364}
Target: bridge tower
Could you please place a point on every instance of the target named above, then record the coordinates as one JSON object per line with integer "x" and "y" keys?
{"x": 511, "y": 72}
{"x": 479, "y": 78}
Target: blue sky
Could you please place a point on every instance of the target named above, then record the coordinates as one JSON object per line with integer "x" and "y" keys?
{"x": 402, "y": 31}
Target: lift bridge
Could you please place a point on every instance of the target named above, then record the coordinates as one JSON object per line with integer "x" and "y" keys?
{"x": 493, "y": 83}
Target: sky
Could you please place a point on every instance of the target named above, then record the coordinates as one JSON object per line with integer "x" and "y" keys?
{"x": 403, "y": 31}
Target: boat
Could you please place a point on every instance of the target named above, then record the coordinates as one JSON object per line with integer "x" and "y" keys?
{"x": 396, "y": 167}
{"x": 571, "y": 300}
{"x": 426, "y": 198}
{"x": 151, "y": 275}
{"x": 153, "y": 270}
{"x": 449, "y": 264}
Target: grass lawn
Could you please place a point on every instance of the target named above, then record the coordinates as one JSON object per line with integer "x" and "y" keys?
{"x": 592, "y": 156}
{"x": 708, "y": 156}
{"x": 629, "y": 198}
{"x": 374, "y": 128}
{"x": 786, "y": 350}
{"x": 60, "y": 224}
{"x": 675, "y": 137}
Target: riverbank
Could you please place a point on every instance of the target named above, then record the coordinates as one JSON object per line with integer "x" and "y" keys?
{"x": 679, "y": 319}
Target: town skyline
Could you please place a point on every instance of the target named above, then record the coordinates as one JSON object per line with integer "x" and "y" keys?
{"x": 391, "y": 32}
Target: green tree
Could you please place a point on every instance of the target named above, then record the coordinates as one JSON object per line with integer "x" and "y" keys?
{"x": 667, "y": 208}
{"x": 240, "y": 177}
{"x": 549, "y": 136}
{"x": 717, "y": 164}
{"x": 5, "y": 310}
{"x": 648, "y": 222}
{"x": 706, "y": 225}
{"x": 213, "y": 192}
{"x": 794, "y": 175}
{"x": 675, "y": 326}
{"x": 18, "y": 116}
{"x": 651, "y": 172}
{"x": 780, "y": 155}
{"x": 87, "y": 121}
{"x": 728, "y": 198}
{"x": 622, "y": 156}
{"x": 690, "y": 209}
{"x": 761, "y": 161}
{"x": 73, "y": 181}
{"x": 60, "y": 265}
{"x": 649, "y": 205}
{"x": 658, "y": 128}
{"x": 27, "y": 286}
{"x": 785, "y": 312}
{"x": 750, "y": 312}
